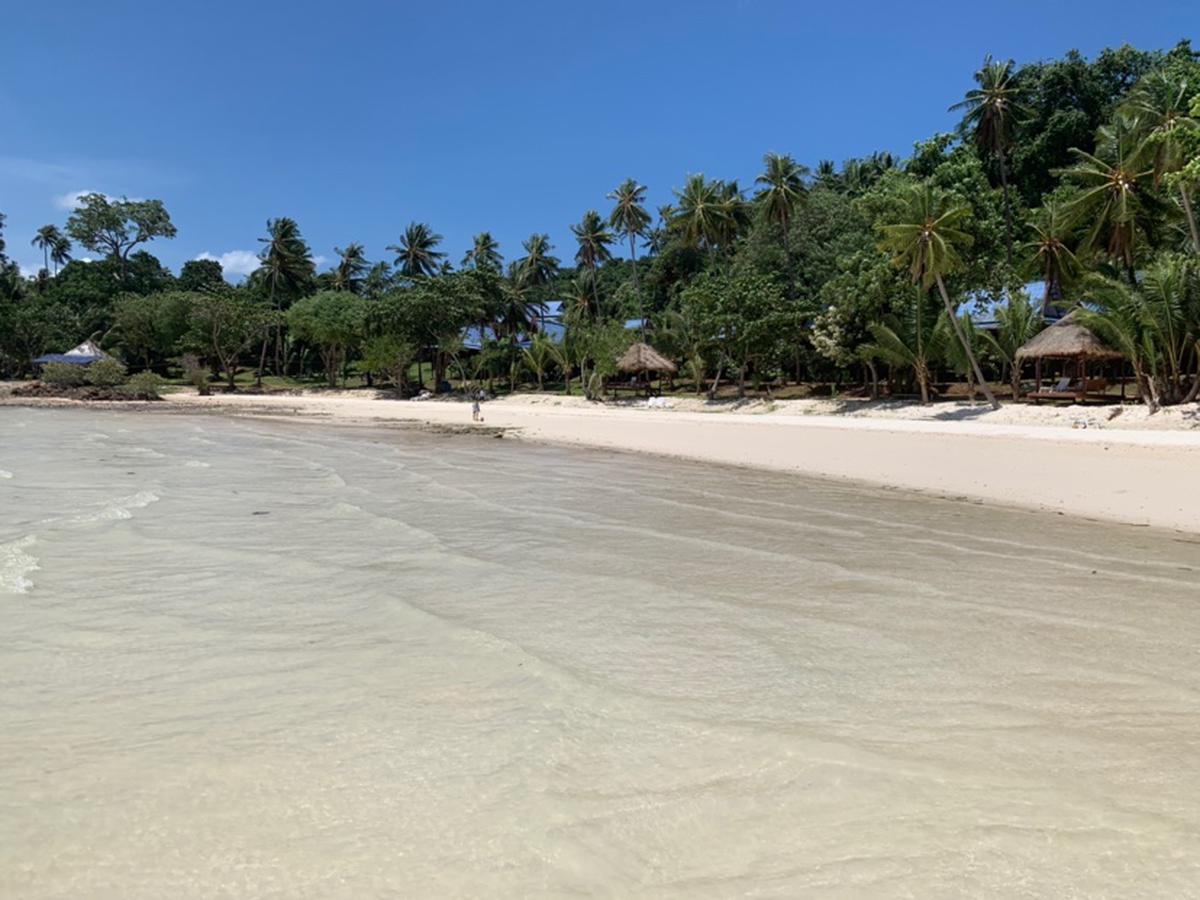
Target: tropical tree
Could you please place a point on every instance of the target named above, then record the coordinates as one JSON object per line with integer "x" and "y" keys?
{"x": 1160, "y": 106}
{"x": 702, "y": 216}
{"x": 60, "y": 253}
{"x": 594, "y": 239}
{"x": 990, "y": 112}
{"x": 910, "y": 340}
{"x": 352, "y": 267}
{"x": 539, "y": 355}
{"x": 1049, "y": 256}
{"x": 925, "y": 238}
{"x": 781, "y": 194}
{"x": 116, "y": 227}
{"x": 1016, "y": 323}
{"x": 417, "y": 255}
{"x": 333, "y": 321}
{"x": 538, "y": 266}
{"x": 51, "y": 242}
{"x": 629, "y": 217}
{"x": 287, "y": 265}
{"x": 1113, "y": 196}
{"x": 226, "y": 323}
{"x": 484, "y": 253}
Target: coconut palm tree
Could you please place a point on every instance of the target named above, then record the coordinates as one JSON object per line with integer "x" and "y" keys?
{"x": 702, "y": 217}
{"x": 351, "y": 268}
{"x": 1113, "y": 195}
{"x": 484, "y": 253}
{"x": 911, "y": 340}
{"x": 629, "y": 217}
{"x": 538, "y": 356}
{"x": 781, "y": 193}
{"x": 1160, "y": 105}
{"x": 1049, "y": 256}
{"x": 926, "y": 239}
{"x": 594, "y": 239}
{"x": 417, "y": 255}
{"x": 60, "y": 253}
{"x": 538, "y": 266}
{"x": 990, "y": 111}
{"x": 49, "y": 239}
{"x": 1016, "y": 323}
{"x": 287, "y": 263}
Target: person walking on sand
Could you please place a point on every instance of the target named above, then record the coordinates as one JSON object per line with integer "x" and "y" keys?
{"x": 475, "y": 416}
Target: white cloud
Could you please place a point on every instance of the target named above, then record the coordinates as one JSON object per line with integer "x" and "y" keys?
{"x": 236, "y": 264}
{"x": 319, "y": 261}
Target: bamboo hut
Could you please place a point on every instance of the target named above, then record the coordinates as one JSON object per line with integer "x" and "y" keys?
{"x": 638, "y": 362}
{"x": 1070, "y": 341}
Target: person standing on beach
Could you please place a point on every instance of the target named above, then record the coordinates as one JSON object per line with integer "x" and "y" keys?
{"x": 475, "y": 411}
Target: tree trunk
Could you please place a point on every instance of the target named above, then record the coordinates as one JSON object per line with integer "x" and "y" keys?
{"x": 966, "y": 345}
{"x": 1008, "y": 230}
{"x": 1186, "y": 202}
{"x": 637, "y": 286}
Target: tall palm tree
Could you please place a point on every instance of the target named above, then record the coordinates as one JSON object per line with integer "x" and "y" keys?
{"x": 1016, "y": 323}
{"x": 594, "y": 239}
{"x": 911, "y": 340}
{"x": 351, "y": 268}
{"x": 989, "y": 113}
{"x": 48, "y": 239}
{"x": 702, "y": 217}
{"x": 417, "y": 255}
{"x": 1160, "y": 105}
{"x": 287, "y": 263}
{"x": 538, "y": 266}
{"x": 657, "y": 237}
{"x": 60, "y": 253}
{"x": 629, "y": 217}
{"x": 780, "y": 196}
{"x": 1049, "y": 255}
{"x": 737, "y": 212}
{"x": 926, "y": 239}
{"x": 1113, "y": 195}
{"x": 484, "y": 253}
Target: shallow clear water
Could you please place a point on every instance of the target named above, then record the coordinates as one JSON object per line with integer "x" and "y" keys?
{"x": 250, "y": 659}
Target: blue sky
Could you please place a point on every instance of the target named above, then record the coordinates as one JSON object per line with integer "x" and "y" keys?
{"x": 355, "y": 118}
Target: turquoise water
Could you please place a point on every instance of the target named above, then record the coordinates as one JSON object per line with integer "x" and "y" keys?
{"x": 252, "y": 659}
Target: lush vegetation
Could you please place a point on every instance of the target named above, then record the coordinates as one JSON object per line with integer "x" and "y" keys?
{"x": 1081, "y": 174}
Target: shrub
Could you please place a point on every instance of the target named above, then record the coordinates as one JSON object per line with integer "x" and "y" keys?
{"x": 105, "y": 373}
{"x": 62, "y": 374}
{"x": 195, "y": 373}
{"x": 144, "y": 386}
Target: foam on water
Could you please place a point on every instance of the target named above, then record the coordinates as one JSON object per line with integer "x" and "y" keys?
{"x": 4, "y": 473}
{"x": 370, "y": 664}
{"x": 15, "y": 563}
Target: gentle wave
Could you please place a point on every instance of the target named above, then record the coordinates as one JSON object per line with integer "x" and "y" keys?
{"x": 4, "y": 473}
{"x": 120, "y": 508}
{"x": 15, "y": 564}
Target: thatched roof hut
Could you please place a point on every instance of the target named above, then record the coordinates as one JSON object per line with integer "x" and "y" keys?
{"x": 1067, "y": 339}
{"x": 641, "y": 357}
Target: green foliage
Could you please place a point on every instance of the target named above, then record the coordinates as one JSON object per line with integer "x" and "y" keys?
{"x": 62, "y": 374}
{"x": 115, "y": 227}
{"x": 387, "y": 356}
{"x": 144, "y": 386}
{"x": 105, "y": 373}
{"x": 201, "y": 275}
{"x": 333, "y": 321}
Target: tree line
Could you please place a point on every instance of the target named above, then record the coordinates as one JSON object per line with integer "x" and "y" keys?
{"x": 1080, "y": 174}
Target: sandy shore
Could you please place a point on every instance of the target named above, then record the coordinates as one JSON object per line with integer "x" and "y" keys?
{"x": 1093, "y": 463}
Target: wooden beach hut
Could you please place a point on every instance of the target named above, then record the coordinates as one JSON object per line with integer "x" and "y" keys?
{"x": 638, "y": 362}
{"x": 1077, "y": 347}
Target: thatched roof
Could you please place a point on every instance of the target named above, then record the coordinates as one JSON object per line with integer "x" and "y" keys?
{"x": 644, "y": 358}
{"x": 1067, "y": 339}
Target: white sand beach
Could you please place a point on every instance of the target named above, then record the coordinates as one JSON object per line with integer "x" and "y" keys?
{"x": 1110, "y": 463}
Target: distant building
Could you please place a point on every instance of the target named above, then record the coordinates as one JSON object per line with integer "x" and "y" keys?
{"x": 83, "y": 355}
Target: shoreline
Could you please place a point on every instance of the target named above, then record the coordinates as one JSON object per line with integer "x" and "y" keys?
{"x": 1129, "y": 475}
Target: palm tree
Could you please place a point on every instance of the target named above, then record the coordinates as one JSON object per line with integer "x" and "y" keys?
{"x": 1049, "y": 255}
{"x": 60, "y": 253}
{"x": 990, "y": 112}
{"x": 537, "y": 267}
{"x": 1112, "y": 195}
{"x": 593, "y": 239}
{"x": 417, "y": 255}
{"x": 702, "y": 219}
{"x": 49, "y": 239}
{"x": 484, "y": 253}
{"x": 1016, "y": 323}
{"x": 351, "y": 268}
{"x": 287, "y": 263}
{"x": 538, "y": 356}
{"x": 912, "y": 340}
{"x": 1160, "y": 105}
{"x": 781, "y": 194}
{"x": 656, "y": 238}
{"x": 629, "y": 217}
{"x": 926, "y": 240}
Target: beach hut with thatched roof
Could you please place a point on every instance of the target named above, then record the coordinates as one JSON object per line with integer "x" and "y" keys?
{"x": 638, "y": 362}
{"x": 1070, "y": 341}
